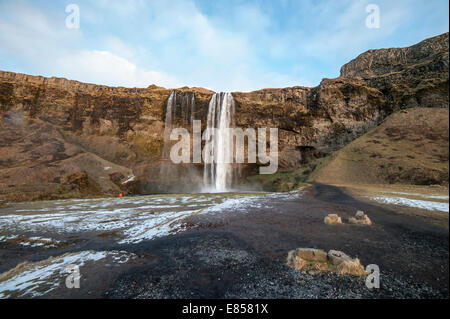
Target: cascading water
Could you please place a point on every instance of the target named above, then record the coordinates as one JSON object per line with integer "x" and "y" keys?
{"x": 188, "y": 107}
{"x": 193, "y": 109}
{"x": 180, "y": 112}
{"x": 218, "y": 175}
{"x": 170, "y": 115}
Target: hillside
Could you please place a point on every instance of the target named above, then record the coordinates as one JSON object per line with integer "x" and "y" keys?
{"x": 409, "y": 147}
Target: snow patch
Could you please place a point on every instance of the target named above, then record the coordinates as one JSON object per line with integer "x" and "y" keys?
{"x": 45, "y": 276}
{"x": 134, "y": 219}
{"x": 130, "y": 179}
{"x": 443, "y": 197}
{"x": 422, "y": 204}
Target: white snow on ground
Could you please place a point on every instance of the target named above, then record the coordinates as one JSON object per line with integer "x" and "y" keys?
{"x": 32, "y": 241}
{"x": 422, "y": 204}
{"x": 242, "y": 204}
{"x": 236, "y": 204}
{"x": 154, "y": 227}
{"x": 42, "y": 277}
{"x": 444, "y": 197}
{"x": 134, "y": 218}
{"x": 41, "y": 242}
{"x": 5, "y": 238}
{"x": 130, "y": 179}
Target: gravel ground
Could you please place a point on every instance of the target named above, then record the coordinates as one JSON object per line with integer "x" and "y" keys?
{"x": 219, "y": 265}
{"x": 241, "y": 253}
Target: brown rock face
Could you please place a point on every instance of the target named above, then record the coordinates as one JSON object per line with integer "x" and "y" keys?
{"x": 53, "y": 128}
{"x": 407, "y": 77}
{"x": 312, "y": 121}
{"x": 432, "y": 52}
{"x": 409, "y": 147}
{"x": 333, "y": 219}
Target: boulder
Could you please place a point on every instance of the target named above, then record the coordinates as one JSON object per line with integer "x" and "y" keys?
{"x": 351, "y": 267}
{"x": 360, "y": 214}
{"x": 312, "y": 254}
{"x": 2, "y": 204}
{"x": 307, "y": 259}
{"x": 360, "y": 219}
{"x": 336, "y": 257}
{"x": 344, "y": 264}
{"x": 333, "y": 219}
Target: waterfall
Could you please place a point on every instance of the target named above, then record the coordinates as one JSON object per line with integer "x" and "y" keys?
{"x": 188, "y": 107}
{"x": 170, "y": 115}
{"x": 193, "y": 109}
{"x": 218, "y": 175}
{"x": 180, "y": 112}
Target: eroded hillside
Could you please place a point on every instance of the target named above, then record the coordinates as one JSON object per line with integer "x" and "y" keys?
{"x": 409, "y": 147}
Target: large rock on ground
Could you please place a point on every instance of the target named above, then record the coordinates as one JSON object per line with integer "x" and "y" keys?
{"x": 360, "y": 219}
{"x": 344, "y": 264}
{"x": 317, "y": 259}
{"x": 307, "y": 258}
{"x": 333, "y": 219}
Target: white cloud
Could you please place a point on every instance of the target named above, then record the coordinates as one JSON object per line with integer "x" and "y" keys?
{"x": 346, "y": 32}
{"x": 107, "y": 68}
{"x": 216, "y": 45}
{"x": 41, "y": 42}
{"x": 179, "y": 45}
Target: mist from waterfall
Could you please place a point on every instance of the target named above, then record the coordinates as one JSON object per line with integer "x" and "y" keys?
{"x": 218, "y": 175}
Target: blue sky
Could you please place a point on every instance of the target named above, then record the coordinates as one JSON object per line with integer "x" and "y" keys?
{"x": 224, "y": 45}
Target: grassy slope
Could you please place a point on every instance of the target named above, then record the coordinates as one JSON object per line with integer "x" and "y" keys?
{"x": 285, "y": 181}
{"x": 409, "y": 147}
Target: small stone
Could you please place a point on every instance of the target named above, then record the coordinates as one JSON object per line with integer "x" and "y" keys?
{"x": 302, "y": 258}
{"x": 332, "y": 219}
{"x": 360, "y": 219}
{"x": 336, "y": 257}
{"x": 360, "y": 214}
{"x": 314, "y": 261}
{"x": 351, "y": 267}
{"x": 312, "y": 254}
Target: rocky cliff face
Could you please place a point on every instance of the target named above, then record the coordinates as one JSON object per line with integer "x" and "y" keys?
{"x": 54, "y": 130}
{"x": 407, "y": 77}
{"x": 409, "y": 147}
{"x": 62, "y": 138}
